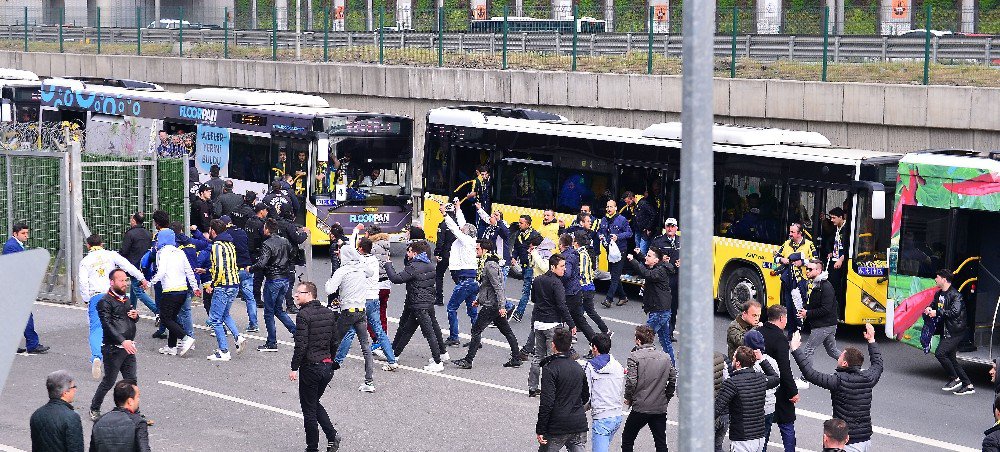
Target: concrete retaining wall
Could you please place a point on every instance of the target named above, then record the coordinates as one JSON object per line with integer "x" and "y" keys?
{"x": 872, "y": 116}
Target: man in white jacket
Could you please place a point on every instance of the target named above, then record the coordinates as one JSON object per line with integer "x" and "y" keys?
{"x": 351, "y": 280}
{"x": 463, "y": 265}
{"x": 606, "y": 379}
{"x": 95, "y": 268}
{"x": 175, "y": 276}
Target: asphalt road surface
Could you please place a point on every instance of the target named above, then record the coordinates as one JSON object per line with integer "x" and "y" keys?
{"x": 249, "y": 404}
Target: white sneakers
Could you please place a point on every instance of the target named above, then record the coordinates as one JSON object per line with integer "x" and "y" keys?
{"x": 390, "y": 367}
{"x": 379, "y": 354}
{"x": 185, "y": 344}
{"x": 170, "y": 351}
{"x": 239, "y": 344}
{"x": 444, "y": 357}
{"x": 367, "y": 387}
{"x": 801, "y": 383}
{"x": 433, "y": 366}
{"x": 219, "y": 355}
{"x": 97, "y": 369}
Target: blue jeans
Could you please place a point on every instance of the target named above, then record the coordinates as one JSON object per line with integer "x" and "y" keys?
{"x": 375, "y": 323}
{"x": 274, "y": 302}
{"x": 788, "y": 436}
{"x": 616, "y": 280}
{"x": 137, "y": 294}
{"x": 96, "y": 332}
{"x": 603, "y": 431}
{"x": 528, "y": 275}
{"x": 659, "y": 321}
{"x": 642, "y": 242}
{"x": 222, "y": 301}
{"x": 246, "y": 288}
{"x": 30, "y": 336}
{"x": 768, "y": 422}
{"x": 465, "y": 291}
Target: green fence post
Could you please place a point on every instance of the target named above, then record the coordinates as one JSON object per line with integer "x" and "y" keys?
{"x": 25, "y": 28}
{"x": 326, "y": 34}
{"x": 927, "y": 45}
{"x": 98, "y": 30}
{"x": 440, "y": 36}
{"x": 574, "y": 37}
{"x": 649, "y": 46}
{"x": 504, "y": 61}
{"x": 274, "y": 34}
{"x": 138, "y": 32}
{"x": 180, "y": 31}
{"x": 381, "y": 34}
{"x": 62, "y": 18}
{"x": 732, "y": 58}
{"x": 826, "y": 38}
{"x": 225, "y": 33}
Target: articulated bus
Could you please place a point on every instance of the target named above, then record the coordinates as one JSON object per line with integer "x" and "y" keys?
{"x": 256, "y": 136}
{"x": 947, "y": 209}
{"x": 19, "y": 100}
{"x": 541, "y": 161}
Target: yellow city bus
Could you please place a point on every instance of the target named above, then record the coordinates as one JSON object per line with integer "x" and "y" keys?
{"x": 765, "y": 179}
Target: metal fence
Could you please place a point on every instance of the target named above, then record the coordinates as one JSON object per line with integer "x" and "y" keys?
{"x": 65, "y": 183}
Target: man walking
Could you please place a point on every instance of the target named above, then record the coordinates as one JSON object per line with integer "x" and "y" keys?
{"x": 225, "y": 284}
{"x": 462, "y": 265}
{"x": 118, "y": 321}
{"x": 606, "y": 380}
{"x": 522, "y": 242}
{"x": 615, "y": 229}
{"x": 650, "y": 382}
{"x": 850, "y": 387}
{"x": 562, "y": 414}
{"x": 749, "y": 318}
{"x": 94, "y": 283}
{"x": 135, "y": 243}
{"x": 241, "y": 240}
{"x": 550, "y": 311}
{"x": 176, "y": 277}
{"x": 55, "y": 426}
{"x": 351, "y": 281}
{"x": 949, "y": 307}
{"x": 819, "y": 311}
{"x": 581, "y": 242}
{"x": 274, "y": 263}
{"x": 776, "y": 344}
{"x": 123, "y": 428}
{"x": 491, "y": 308}
{"x": 418, "y": 306}
{"x": 742, "y": 397}
{"x": 670, "y": 244}
{"x": 18, "y": 242}
{"x": 315, "y": 341}
{"x": 790, "y": 257}
{"x": 227, "y": 202}
{"x": 572, "y": 284}
{"x": 656, "y": 296}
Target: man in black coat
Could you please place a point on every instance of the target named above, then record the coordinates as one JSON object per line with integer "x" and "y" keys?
{"x": 135, "y": 243}
{"x": 418, "y": 306}
{"x": 742, "y": 397}
{"x": 820, "y": 311}
{"x": 562, "y": 412}
{"x": 776, "y": 344}
{"x": 201, "y": 209}
{"x": 227, "y": 202}
{"x": 991, "y": 442}
{"x": 123, "y": 428}
{"x": 316, "y": 341}
{"x": 949, "y": 306}
{"x": 55, "y": 426}
{"x": 849, "y": 386}
{"x": 118, "y": 321}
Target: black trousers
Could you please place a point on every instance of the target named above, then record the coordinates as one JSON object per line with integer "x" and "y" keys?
{"x": 116, "y": 360}
{"x": 429, "y": 328}
{"x": 490, "y": 315}
{"x": 636, "y": 421}
{"x": 313, "y": 380}
{"x": 946, "y": 354}
{"x": 588, "y": 307}
{"x": 170, "y": 305}
{"x": 575, "y": 305}
{"x": 440, "y": 271}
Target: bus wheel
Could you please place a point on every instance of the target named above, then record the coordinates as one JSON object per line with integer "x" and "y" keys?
{"x": 742, "y": 286}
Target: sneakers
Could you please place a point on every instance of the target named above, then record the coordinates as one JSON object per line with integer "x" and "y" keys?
{"x": 267, "y": 348}
{"x": 622, "y": 301}
{"x": 379, "y": 355}
{"x": 513, "y": 363}
{"x": 220, "y": 355}
{"x": 390, "y": 367}
{"x": 952, "y": 385}
{"x": 239, "y": 344}
{"x": 169, "y": 351}
{"x": 611, "y": 334}
{"x": 534, "y": 392}
{"x": 606, "y": 303}
{"x": 159, "y": 335}
{"x": 445, "y": 356}
{"x": 433, "y": 366}
{"x": 156, "y": 321}
{"x": 253, "y": 329}
{"x": 801, "y": 383}
{"x": 40, "y": 350}
{"x": 517, "y": 317}
{"x": 462, "y": 363}
{"x": 292, "y": 310}
{"x": 186, "y": 344}
{"x": 369, "y": 386}
{"x": 523, "y": 356}
{"x": 95, "y": 415}
{"x": 97, "y": 369}
{"x": 334, "y": 446}
{"x": 589, "y": 356}
{"x": 452, "y": 342}
{"x": 967, "y": 390}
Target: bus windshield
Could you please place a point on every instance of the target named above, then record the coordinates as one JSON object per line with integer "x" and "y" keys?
{"x": 370, "y": 156}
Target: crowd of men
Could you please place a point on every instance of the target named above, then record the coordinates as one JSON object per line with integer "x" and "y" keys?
{"x": 241, "y": 246}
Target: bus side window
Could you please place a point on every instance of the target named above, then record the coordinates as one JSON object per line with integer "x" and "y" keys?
{"x": 527, "y": 185}
{"x": 750, "y": 208}
{"x": 923, "y": 239}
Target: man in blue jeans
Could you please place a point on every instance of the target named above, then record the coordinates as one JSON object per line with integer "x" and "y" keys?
{"x": 463, "y": 265}
{"x": 606, "y": 381}
{"x": 225, "y": 284}
{"x": 275, "y": 263}
{"x": 242, "y": 243}
{"x": 18, "y": 242}
{"x": 615, "y": 229}
{"x": 656, "y": 295}
{"x": 521, "y": 243}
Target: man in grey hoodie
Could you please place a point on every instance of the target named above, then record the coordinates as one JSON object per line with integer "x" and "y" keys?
{"x": 606, "y": 379}
{"x": 351, "y": 280}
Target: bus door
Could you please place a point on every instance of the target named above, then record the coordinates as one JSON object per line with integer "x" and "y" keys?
{"x": 803, "y": 207}
{"x": 643, "y": 182}
{"x": 975, "y": 258}
{"x": 290, "y": 157}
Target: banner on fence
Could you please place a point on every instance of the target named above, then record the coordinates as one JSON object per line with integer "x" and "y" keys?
{"x": 897, "y": 16}
{"x": 661, "y": 15}
{"x": 212, "y": 148}
{"x": 768, "y": 17}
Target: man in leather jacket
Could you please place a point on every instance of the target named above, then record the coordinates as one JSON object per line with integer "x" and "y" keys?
{"x": 949, "y": 306}
{"x": 275, "y": 262}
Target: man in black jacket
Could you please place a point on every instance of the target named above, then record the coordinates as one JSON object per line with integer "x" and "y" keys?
{"x": 742, "y": 398}
{"x": 418, "y": 306}
{"x": 991, "y": 441}
{"x": 244, "y": 211}
{"x": 123, "y": 428}
{"x": 135, "y": 243}
{"x": 274, "y": 261}
{"x": 523, "y": 239}
{"x": 241, "y": 241}
{"x": 656, "y": 295}
{"x": 55, "y": 426}
{"x": 201, "y": 209}
{"x": 118, "y": 320}
{"x": 227, "y": 202}
{"x": 562, "y": 412}
{"x": 296, "y": 236}
{"x": 312, "y": 363}
{"x": 820, "y": 311}
{"x": 550, "y": 312}
{"x": 776, "y": 344}
{"x": 254, "y": 228}
{"x": 670, "y": 244}
{"x": 849, "y": 386}
{"x": 950, "y": 307}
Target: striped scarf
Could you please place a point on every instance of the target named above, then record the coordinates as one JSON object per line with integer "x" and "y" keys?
{"x": 481, "y": 265}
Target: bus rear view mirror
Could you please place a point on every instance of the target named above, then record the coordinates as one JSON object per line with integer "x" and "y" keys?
{"x": 878, "y": 204}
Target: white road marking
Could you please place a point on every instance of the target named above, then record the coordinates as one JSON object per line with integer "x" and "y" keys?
{"x": 231, "y": 399}
{"x": 5, "y": 448}
{"x": 807, "y": 413}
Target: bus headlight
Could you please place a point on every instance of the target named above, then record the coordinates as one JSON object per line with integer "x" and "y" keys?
{"x": 871, "y": 303}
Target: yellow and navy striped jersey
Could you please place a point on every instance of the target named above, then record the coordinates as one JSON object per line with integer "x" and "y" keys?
{"x": 586, "y": 267}
{"x": 225, "y": 272}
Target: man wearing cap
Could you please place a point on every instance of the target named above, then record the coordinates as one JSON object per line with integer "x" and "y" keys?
{"x": 755, "y": 341}
{"x": 241, "y": 240}
{"x": 670, "y": 244}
